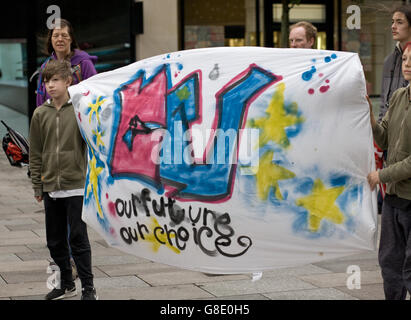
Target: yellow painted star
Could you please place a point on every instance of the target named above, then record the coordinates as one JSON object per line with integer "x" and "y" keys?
{"x": 160, "y": 236}
{"x": 277, "y": 120}
{"x": 94, "y": 108}
{"x": 268, "y": 175}
{"x": 321, "y": 205}
{"x": 98, "y": 134}
{"x": 94, "y": 172}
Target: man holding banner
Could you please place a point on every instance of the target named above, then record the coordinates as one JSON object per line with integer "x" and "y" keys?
{"x": 393, "y": 134}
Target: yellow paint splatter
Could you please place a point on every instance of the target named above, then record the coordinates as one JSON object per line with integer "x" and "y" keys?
{"x": 321, "y": 205}
{"x": 94, "y": 172}
{"x": 183, "y": 93}
{"x": 98, "y": 134}
{"x": 277, "y": 120}
{"x": 268, "y": 175}
{"x": 160, "y": 236}
{"x": 94, "y": 108}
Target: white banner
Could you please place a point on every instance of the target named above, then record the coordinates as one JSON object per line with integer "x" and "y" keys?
{"x": 230, "y": 160}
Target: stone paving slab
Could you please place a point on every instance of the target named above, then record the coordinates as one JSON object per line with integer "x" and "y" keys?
{"x": 136, "y": 269}
{"x": 17, "y": 235}
{"x": 340, "y": 279}
{"x": 30, "y": 298}
{"x": 98, "y": 250}
{"x": 38, "y": 255}
{"x": 185, "y": 277}
{"x": 356, "y": 257}
{"x": 226, "y": 288}
{"x": 310, "y": 294}
{"x": 9, "y": 257}
{"x": 22, "y": 241}
{"x": 246, "y": 297}
{"x": 6, "y": 210}
{"x": 295, "y": 271}
{"x": 366, "y": 292}
{"x": 44, "y": 253}
{"x": 37, "y": 275}
{"x": 14, "y": 249}
{"x": 119, "y": 283}
{"x": 37, "y": 246}
{"x": 23, "y": 266}
{"x": 23, "y": 289}
{"x": 40, "y": 220}
{"x": 180, "y": 292}
{"x": 41, "y": 232}
{"x": 23, "y": 227}
{"x": 20, "y": 216}
{"x": 17, "y": 277}
{"x": 341, "y": 266}
{"x": 15, "y": 221}
{"x": 116, "y": 260}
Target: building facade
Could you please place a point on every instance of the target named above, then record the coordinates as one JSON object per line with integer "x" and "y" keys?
{"x": 120, "y": 32}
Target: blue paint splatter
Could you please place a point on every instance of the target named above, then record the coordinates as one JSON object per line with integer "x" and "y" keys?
{"x": 350, "y": 195}
{"x": 300, "y": 226}
{"x": 305, "y": 186}
{"x": 307, "y": 76}
{"x": 160, "y": 190}
{"x": 329, "y": 58}
{"x": 179, "y": 66}
{"x": 339, "y": 180}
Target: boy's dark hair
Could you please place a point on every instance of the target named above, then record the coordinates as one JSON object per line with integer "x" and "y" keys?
{"x": 63, "y": 23}
{"x": 406, "y": 10}
{"x": 61, "y": 68}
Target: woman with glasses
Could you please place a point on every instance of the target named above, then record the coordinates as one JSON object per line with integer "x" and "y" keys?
{"x": 60, "y": 45}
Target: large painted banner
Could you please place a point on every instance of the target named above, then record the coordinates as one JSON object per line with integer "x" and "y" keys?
{"x": 230, "y": 160}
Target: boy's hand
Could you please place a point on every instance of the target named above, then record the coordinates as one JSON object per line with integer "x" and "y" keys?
{"x": 373, "y": 179}
{"x": 38, "y": 198}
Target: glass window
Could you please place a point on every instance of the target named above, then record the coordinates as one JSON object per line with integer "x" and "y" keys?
{"x": 314, "y": 13}
{"x": 13, "y": 85}
{"x": 104, "y": 35}
{"x": 373, "y": 41}
{"x": 216, "y": 23}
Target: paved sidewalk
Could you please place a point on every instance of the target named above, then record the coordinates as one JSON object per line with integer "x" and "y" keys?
{"x": 24, "y": 258}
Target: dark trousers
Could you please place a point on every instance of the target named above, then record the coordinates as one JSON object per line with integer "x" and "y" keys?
{"x": 395, "y": 251}
{"x": 60, "y": 213}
